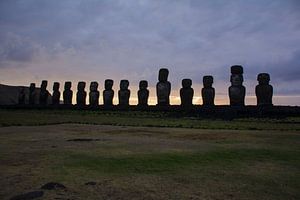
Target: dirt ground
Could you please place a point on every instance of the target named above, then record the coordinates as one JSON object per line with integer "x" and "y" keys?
{"x": 117, "y": 162}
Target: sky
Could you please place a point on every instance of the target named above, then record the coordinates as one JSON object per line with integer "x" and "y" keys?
{"x": 94, "y": 40}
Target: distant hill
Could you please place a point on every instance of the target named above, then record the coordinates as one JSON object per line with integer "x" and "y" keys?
{"x": 9, "y": 94}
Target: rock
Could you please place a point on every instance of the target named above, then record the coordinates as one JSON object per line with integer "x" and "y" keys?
{"x": 237, "y": 91}
{"x": 124, "y": 93}
{"x": 186, "y": 93}
{"x": 208, "y": 92}
{"x": 28, "y": 196}
{"x": 108, "y": 93}
{"x": 82, "y": 140}
{"x": 81, "y": 94}
{"x": 22, "y": 96}
{"x": 264, "y": 91}
{"x": 68, "y": 93}
{"x": 56, "y": 94}
{"x": 236, "y": 69}
{"x": 53, "y": 186}
{"x": 143, "y": 93}
{"x": 94, "y": 94}
{"x": 163, "y": 88}
{"x": 44, "y": 93}
{"x": 90, "y": 183}
{"x": 32, "y": 94}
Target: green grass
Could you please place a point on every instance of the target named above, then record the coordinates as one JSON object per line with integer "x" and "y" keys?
{"x": 175, "y": 162}
{"x": 138, "y": 118}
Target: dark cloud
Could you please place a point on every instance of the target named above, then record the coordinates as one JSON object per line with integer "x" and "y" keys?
{"x": 16, "y": 49}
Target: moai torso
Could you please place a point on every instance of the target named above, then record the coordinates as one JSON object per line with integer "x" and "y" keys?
{"x": 81, "y": 94}
{"x": 124, "y": 93}
{"x": 186, "y": 93}
{"x": 108, "y": 93}
{"x": 264, "y": 91}
{"x": 68, "y": 93}
{"x": 237, "y": 91}
{"x": 21, "y": 97}
{"x": 94, "y": 94}
{"x": 32, "y": 94}
{"x": 208, "y": 92}
{"x": 163, "y": 88}
{"x": 56, "y": 94}
{"x": 143, "y": 93}
{"x": 44, "y": 93}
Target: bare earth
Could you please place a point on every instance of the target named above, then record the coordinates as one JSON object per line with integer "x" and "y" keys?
{"x": 149, "y": 163}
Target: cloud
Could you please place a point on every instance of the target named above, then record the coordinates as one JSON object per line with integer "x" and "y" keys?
{"x": 133, "y": 39}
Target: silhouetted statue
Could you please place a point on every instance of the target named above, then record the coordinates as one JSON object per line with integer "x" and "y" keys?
{"x": 264, "y": 91}
{"x": 108, "y": 93}
{"x": 237, "y": 91}
{"x": 81, "y": 94}
{"x": 55, "y": 94}
{"x": 32, "y": 94}
{"x": 21, "y": 97}
{"x": 94, "y": 94}
{"x": 44, "y": 93}
{"x": 143, "y": 93}
{"x": 124, "y": 93}
{"x": 208, "y": 92}
{"x": 186, "y": 93}
{"x": 163, "y": 88}
{"x": 68, "y": 93}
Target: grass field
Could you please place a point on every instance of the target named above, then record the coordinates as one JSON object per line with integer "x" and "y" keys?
{"x": 138, "y": 118}
{"x": 140, "y": 155}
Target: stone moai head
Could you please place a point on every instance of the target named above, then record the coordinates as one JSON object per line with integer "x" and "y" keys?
{"x": 208, "y": 81}
{"x": 93, "y": 86}
{"x": 56, "y": 86}
{"x": 124, "y": 84}
{"x": 143, "y": 85}
{"x": 32, "y": 87}
{"x": 81, "y": 86}
{"x": 186, "y": 83}
{"x": 236, "y": 69}
{"x": 163, "y": 75}
{"x": 108, "y": 84}
{"x": 68, "y": 85}
{"x": 236, "y": 77}
{"x": 263, "y": 78}
{"x": 44, "y": 85}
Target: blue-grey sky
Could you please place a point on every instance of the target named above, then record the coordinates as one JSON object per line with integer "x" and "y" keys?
{"x": 90, "y": 40}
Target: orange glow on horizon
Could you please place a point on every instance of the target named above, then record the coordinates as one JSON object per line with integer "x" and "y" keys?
{"x": 220, "y": 99}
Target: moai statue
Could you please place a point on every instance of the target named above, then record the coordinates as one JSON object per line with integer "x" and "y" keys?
{"x": 55, "y": 94}
{"x": 108, "y": 93}
{"x": 81, "y": 94}
{"x": 124, "y": 93}
{"x": 208, "y": 92}
{"x": 94, "y": 94}
{"x": 44, "y": 93}
{"x": 21, "y": 97}
{"x": 186, "y": 93}
{"x": 163, "y": 88}
{"x": 68, "y": 93}
{"x": 143, "y": 93}
{"x": 32, "y": 94}
{"x": 237, "y": 91}
{"x": 264, "y": 91}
